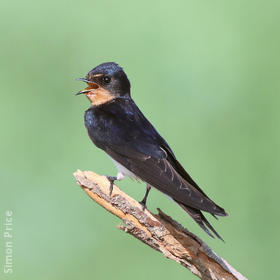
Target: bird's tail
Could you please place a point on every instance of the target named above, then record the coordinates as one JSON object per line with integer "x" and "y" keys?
{"x": 200, "y": 219}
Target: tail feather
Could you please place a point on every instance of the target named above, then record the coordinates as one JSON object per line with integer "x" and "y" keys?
{"x": 200, "y": 219}
{"x": 211, "y": 227}
{"x": 214, "y": 216}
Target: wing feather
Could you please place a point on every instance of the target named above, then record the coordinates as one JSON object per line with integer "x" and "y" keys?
{"x": 160, "y": 174}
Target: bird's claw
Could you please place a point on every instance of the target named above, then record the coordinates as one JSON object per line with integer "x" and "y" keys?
{"x": 111, "y": 179}
{"x": 144, "y": 200}
{"x": 143, "y": 204}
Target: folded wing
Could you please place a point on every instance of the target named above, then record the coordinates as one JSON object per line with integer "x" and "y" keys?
{"x": 136, "y": 145}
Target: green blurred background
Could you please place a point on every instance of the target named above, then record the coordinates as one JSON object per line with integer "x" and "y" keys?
{"x": 206, "y": 73}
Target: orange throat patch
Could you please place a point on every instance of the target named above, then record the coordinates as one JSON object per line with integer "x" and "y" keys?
{"x": 99, "y": 96}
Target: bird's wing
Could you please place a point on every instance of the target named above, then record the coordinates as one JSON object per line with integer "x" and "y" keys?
{"x": 145, "y": 153}
{"x": 159, "y": 173}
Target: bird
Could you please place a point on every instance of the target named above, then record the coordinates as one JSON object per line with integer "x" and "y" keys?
{"x": 116, "y": 125}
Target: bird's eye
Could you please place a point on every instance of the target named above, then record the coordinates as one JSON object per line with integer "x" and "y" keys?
{"x": 106, "y": 79}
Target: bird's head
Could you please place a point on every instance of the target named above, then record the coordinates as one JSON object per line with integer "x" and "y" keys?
{"x": 106, "y": 82}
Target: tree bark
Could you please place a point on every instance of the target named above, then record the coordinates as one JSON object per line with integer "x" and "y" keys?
{"x": 159, "y": 231}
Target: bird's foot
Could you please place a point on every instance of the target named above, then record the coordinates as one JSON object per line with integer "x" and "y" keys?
{"x": 144, "y": 200}
{"x": 111, "y": 179}
{"x": 143, "y": 204}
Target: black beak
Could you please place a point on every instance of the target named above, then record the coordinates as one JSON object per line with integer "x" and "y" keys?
{"x": 86, "y": 81}
{"x": 83, "y": 80}
{"x": 82, "y": 92}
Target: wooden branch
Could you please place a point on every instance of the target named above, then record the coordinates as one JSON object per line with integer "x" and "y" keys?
{"x": 159, "y": 231}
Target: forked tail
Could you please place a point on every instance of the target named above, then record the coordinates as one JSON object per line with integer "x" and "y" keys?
{"x": 200, "y": 219}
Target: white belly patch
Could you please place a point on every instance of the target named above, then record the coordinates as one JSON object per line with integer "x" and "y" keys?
{"x": 123, "y": 171}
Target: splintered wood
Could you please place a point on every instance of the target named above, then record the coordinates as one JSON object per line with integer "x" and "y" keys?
{"x": 159, "y": 231}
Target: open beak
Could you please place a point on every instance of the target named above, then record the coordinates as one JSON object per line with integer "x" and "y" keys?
{"x": 82, "y": 92}
{"x": 91, "y": 86}
{"x": 83, "y": 80}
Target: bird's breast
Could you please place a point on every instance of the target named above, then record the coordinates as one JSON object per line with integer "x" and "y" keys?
{"x": 97, "y": 127}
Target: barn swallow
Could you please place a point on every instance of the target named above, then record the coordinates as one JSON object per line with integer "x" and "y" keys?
{"x": 116, "y": 125}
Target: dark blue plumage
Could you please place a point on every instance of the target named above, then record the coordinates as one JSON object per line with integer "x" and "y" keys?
{"x": 118, "y": 127}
